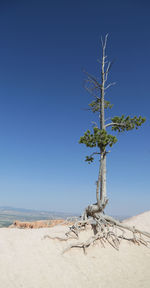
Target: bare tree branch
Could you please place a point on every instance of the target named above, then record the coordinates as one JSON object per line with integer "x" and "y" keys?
{"x": 109, "y": 85}
{"x": 104, "y": 43}
{"x": 92, "y": 79}
{"x": 108, "y": 69}
{"x": 114, "y": 124}
{"x": 91, "y": 91}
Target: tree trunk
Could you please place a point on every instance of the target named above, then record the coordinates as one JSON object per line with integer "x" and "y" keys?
{"x": 103, "y": 195}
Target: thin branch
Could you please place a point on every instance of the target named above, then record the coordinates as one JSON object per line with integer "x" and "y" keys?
{"x": 108, "y": 69}
{"x": 91, "y": 81}
{"x": 105, "y": 42}
{"x": 92, "y": 78}
{"x": 94, "y": 123}
{"x": 94, "y": 153}
{"x": 107, "y": 119}
{"x": 109, "y": 85}
{"x": 92, "y": 87}
{"x": 114, "y": 124}
{"x": 90, "y": 91}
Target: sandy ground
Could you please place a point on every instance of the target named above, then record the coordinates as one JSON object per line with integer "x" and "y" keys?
{"x": 29, "y": 261}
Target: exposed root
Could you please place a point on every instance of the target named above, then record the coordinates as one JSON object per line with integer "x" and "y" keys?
{"x": 59, "y": 238}
{"x": 106, "y": 230}
{"x": 83, "y": 245}
{"x": 77, "y": 227}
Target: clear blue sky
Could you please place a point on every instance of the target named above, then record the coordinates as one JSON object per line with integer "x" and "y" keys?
{"x": 43, "y": 47}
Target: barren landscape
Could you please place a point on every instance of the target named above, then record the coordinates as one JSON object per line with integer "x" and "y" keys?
{"x": 74, "y": 144}
{"x": 27, "y": 259}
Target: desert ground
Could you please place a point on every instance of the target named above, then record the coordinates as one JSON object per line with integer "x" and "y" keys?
{"x": 28, "y": 260}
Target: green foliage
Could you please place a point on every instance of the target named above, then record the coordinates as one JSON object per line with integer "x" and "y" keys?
{"x": 108, "y": 104}
{"x": 95, "y": 105}
{"x": 99, "y": 138}
{"x": 126, "y": 124}
{"x": 89, "y": 159}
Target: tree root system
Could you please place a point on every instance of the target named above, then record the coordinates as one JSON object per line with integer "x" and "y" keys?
{"x": 106, "y": 230}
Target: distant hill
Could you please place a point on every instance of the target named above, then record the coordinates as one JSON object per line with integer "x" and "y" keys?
{"x": 9, "y": 214}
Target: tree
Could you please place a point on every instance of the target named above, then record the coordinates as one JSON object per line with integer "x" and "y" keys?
{"x": 100, "y": 140}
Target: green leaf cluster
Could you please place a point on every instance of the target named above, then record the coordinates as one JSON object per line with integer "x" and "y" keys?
{"x": 95, "y": 105}
{"x": 99, "y": 138}
{"x": 127, "y": 123}
{"x": 89, "y": 159}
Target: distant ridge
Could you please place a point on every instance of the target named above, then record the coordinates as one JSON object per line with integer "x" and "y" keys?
{"x": 22, "y": 210}
{"x": 9, "y": 214}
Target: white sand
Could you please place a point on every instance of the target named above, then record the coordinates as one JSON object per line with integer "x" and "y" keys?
{"x": 28, "y": 261}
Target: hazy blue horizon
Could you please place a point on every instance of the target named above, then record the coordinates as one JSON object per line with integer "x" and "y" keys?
{"x": 44, "y": 46}
{"x": 70, "y": 214}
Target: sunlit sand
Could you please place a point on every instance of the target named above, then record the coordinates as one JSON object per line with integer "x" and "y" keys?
{"x": 29, "y": 261}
